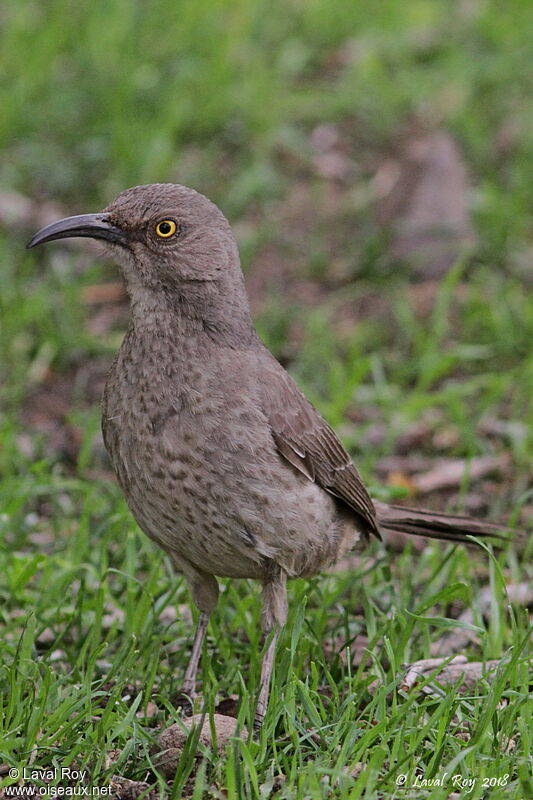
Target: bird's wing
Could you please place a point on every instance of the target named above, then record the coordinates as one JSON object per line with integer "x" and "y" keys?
{"x": 307, "y": 442}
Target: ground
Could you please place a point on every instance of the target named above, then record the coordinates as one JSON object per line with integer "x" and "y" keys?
{"x": 376, "y": 163}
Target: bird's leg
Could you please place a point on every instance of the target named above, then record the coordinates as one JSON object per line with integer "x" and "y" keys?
{"x": 264, "y": 686}
{"x": 188, "y": 686}
{"x": 204, "y": 590}
{"x": 273, "y": 616}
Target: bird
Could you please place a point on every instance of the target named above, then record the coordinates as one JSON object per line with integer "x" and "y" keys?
{"x": 223, "y": 461}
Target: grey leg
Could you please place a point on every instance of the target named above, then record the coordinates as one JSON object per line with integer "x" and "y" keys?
{"x": 264, "y": 687}
{"x": 189, "y": 682}
{"x": 273, "y": 616}
{"x": 204, "y": 590}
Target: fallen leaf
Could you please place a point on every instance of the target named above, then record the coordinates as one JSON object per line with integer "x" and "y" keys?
{"x": 397, "y": 478}
{"x": 425, "y": 666}
{"x": 459, "y": 668}
{"x": 451, "y": 472}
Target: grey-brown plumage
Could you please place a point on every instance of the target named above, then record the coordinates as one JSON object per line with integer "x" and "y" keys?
{"x": 223, "y": 461}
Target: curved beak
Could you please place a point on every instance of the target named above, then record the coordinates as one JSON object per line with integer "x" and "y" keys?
{"x": 92, "y": 226}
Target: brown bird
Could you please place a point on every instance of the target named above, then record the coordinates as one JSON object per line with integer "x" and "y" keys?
{"x": 223, "y": 461}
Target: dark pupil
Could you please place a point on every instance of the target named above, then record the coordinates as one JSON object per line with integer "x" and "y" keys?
{"x": 164, "y": 227}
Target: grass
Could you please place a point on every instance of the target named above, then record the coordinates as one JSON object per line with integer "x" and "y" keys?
{"x": 92, "y": 650}
{"x": 223, "y": 96}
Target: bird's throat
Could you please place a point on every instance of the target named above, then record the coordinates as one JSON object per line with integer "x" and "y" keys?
{"x": 191, "y": 316}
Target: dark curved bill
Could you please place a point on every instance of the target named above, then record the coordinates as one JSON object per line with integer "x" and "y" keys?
{"x": 91, "y": 226}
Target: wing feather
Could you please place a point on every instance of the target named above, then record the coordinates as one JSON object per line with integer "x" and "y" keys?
{"x": 307, "y": 442}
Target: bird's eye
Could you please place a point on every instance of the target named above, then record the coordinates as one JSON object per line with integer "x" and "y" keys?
{"x": 166, "y": 228}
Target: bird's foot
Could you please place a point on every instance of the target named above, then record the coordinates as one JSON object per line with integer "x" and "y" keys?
{"x": 257, "y": 725}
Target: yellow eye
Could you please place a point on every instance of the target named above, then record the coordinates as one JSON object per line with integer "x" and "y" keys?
{"x": 166, "y": 228}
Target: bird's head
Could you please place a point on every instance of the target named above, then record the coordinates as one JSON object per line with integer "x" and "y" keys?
{"x": 163, "y": 236}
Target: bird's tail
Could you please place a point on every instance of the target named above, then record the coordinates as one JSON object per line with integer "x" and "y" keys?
{"x": 433, "y": 525}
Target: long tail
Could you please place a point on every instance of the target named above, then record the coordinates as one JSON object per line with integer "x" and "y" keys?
{"x": 433, "y": 525}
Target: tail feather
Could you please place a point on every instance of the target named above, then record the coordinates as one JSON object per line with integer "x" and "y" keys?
{"x": 434, "y": 525}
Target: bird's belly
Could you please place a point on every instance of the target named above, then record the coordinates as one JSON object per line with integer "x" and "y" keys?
{"x": 228, "y": 509}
